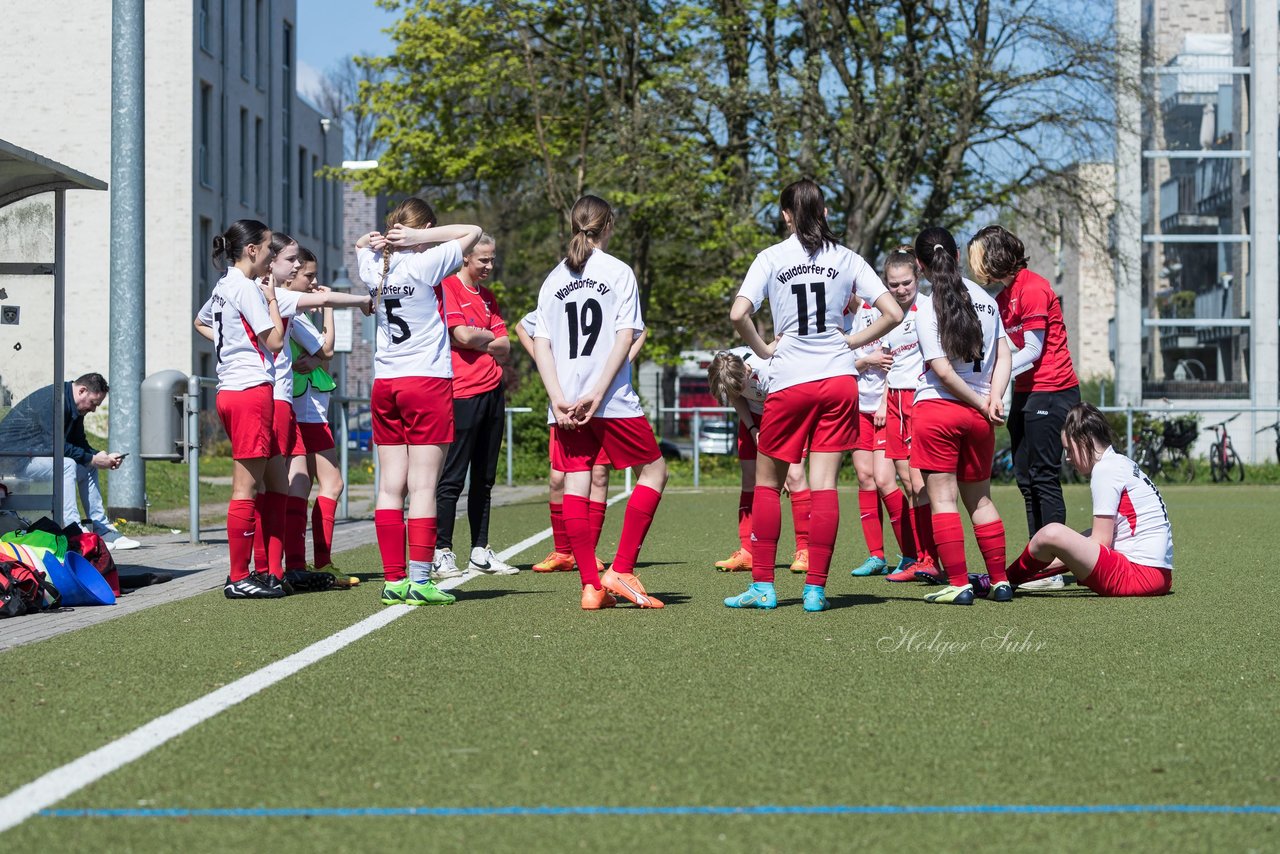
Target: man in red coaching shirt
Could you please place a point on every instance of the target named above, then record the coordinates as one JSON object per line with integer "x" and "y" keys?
{"x": 478, "y": 336}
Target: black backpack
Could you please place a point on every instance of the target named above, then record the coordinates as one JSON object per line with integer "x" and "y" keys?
{"x": 23, "y": 590}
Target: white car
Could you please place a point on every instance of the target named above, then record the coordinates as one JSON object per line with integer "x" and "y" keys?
{"x": 718, "y": 437}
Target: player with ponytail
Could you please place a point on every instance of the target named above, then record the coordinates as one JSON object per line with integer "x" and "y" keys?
{"x": 960, "y": 399}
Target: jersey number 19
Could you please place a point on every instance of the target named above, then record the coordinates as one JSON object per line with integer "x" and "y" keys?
{"x": 585, "y": 321}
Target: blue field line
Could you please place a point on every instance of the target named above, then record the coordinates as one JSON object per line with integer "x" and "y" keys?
{"x": 762, "y": 809}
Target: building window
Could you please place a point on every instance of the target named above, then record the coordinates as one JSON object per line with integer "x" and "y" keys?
{"x": 302, "y": 189}
{"x": 244, "y": 157}
{"x": 244, "y": 39}
{"x": 206, "y": 134}
{"x": 203, "y": 26}
{"x": 317, "y": 219}
{"x": 204, "y": 260}
{"x": 260, "y": 30}
{"x": 259, "y": 174}
{"x": 286, "y": 101}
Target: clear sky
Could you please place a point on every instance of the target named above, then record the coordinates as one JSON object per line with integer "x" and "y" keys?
{"x": 329, "y": 30}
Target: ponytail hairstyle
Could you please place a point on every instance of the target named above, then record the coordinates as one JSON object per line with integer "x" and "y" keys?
{"x": 229, "y": 246}
{"x": 591, "y": 217}
{"x": 803, "y": 200}
{"x": 958, "y": 324}
{"x": 413, "y": 212}
{"x": 900, "y": 256}
{"x": 995, "y": 254}
{"x": 1084, "y": 429}
{"x": 726, "y": 376}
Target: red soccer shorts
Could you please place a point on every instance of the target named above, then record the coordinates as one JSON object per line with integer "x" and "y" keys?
{"x": 284, "y": 429}
{"x": 1115, "y": 575}
{"x": 412, "y": 411}
{"x": 314, "y": 438}
{"x": 898, "y": 424}
{"x": 625, "y": 442}
{"x": 870, "y": 437}
{"x": 746, "y": 443}
{"x": 602, "y": 459}
{"x": 820, "y": 416}
{"x": 950, "y": 436}
{"x": 246, "y": 416}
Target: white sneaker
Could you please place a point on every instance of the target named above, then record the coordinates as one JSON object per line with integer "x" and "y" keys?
{"x": 118, "y": 542}
{"x": 1053, "y": 582}
{"x": 445, "y": 566}
{"x": 484, "y": 560}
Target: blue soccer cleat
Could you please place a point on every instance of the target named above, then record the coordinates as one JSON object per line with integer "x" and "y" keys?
{"x": 815, "y": 598}
{"x": 872, "y": 566}
{"x": 759, "y": 595}
{"x": 1002, "y": 592}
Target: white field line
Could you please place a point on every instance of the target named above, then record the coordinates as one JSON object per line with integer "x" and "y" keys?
{"x": 58, "y": 784}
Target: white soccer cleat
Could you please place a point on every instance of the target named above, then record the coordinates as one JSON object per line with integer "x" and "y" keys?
{"x": 445, "y": 566}
{"x": 484, "y": 560}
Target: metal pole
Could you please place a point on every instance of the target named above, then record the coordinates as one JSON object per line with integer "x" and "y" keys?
{"x": 697, "y": 459}
{"x": 344, "y": 458}
{"x": 59, "y": 355}
{"x": 193, "y": 459}
{"x": 128, "y": 245}
{"x": 510, "y": 434}
{"x": 1128, "y": 431}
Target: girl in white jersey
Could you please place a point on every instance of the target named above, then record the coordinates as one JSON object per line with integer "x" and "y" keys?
{"x": 902, "y": 279}
{"x": 412, "y": 398}
{"x": 318, "y": 461}
{"x": 588, "y": 317}
{"x": 877, "y": 480}
{"x": 560, "y": 559}
{"x": 1129, "y": 550}
{"x": 957, "y": 405}
{"x": 242, "y": 318}
{"x": 739, "y": 378}
{"x": 809, "y": 280}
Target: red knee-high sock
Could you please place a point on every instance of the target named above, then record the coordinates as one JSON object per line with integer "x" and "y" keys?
{"x": 241, "y": 524}
{"x": 641, "y": 506}
{"x": 595, "y": 516}
{"x": 824, "y": 518}
{"x": 990, "y": 539}
{"x": 766, "y": 525}
{"x": 922, "y": 518}
{"x": 801, "y": 503}
{"x": 744, "y": 520}
{"x": 872, "y": 526}
{"x": 577, "y": 524}
{"x": 896, "y": 503}
{"x": 949, "y": 536}
{"x": 274, "y": 519}
{"x": 422, "y": 539}
{"x": 295, "y": 532}
{"x": 260, "y": 533}
{"x": 389, "y": 525}
{"x": 559, "y": 538}
{"x": 323, "y": 512}
{"x": 1028, "y": 568}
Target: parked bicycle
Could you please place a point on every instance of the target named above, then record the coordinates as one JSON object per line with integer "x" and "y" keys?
{"x": 1224, "y": 464}
{"x": 1276, "y": 428}
{"x": 1163, "y": 449}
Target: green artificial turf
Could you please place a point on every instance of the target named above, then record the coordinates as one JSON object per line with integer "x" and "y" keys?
{"x": 514, "y": 696}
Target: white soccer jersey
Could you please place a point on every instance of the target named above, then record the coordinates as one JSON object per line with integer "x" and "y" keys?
{"x": 757, "y": 385}
{"x": 871, "y": 381}
{"x": 307, "y": 337}
{"x": 581, "y": 315}
{"x": 237, "y": 312}
{"x": 807, "y": 297}
{"x": 311, "y": 407}
{"x": 1121, "y": 489}
{"x": 412, "y": 338}
{"x": 904, "y": 346}
{"x": 975, "y": 374}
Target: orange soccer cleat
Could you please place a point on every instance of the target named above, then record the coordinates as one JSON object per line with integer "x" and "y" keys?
{"x": 800, "y": 564}
{"x": 739, "y": 561}
{"x": 626, "y": 585}
{"x": 556, "y": 562}
{"x": 596, "y": 598}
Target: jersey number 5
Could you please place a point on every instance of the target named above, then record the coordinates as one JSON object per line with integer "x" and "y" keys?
{"x": 802, "y": 305}
{"x": 589, "y": 326}
{"x": 400, "y": 330}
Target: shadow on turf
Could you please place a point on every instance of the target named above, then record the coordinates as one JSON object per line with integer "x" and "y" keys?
{"x": 469, "y": 594}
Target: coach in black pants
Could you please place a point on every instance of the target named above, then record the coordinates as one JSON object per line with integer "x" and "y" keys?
{"x": 480, "y": 348}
